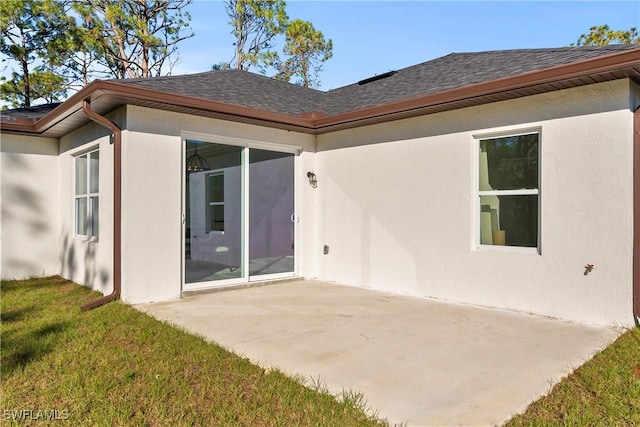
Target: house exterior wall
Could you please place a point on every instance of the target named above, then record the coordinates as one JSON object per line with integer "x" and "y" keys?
{"x": 29, "y": 202}
{"x": 397, "y": 206}
{"x": 152, "y": 195}
{"x": 83, "y": 260}
{"x": 634, "y": 98}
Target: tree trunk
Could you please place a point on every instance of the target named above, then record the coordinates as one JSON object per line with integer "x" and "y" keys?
{"x": 27, "y": 83}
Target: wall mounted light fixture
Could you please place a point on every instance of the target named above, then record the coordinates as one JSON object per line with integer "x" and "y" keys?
{"x": 312, "y": 179}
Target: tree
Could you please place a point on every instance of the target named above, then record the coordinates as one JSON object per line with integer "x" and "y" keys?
{"x": 43, "y": 84}
{"x": 306, "y": 49}
{"x": 131, "y": 38}
{"x": 35, "y": 36}
{"x": 256, "y": 23}
{"x": 602, "y": 35}
{"x": 84, "y": 65}
{"x": 221, "y": 66}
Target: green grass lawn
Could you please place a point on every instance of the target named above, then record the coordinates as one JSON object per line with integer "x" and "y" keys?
{"x": 605, "y": 391}
{"x": 117, "y": 366}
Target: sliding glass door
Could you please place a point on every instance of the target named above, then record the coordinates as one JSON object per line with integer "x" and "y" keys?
{"x": 239, "y": 222}
{"x": 271, "y": 212}
{"x": 213, "y": 213}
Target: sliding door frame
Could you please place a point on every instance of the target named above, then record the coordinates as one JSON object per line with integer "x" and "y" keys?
{"x": 247, "y": 145}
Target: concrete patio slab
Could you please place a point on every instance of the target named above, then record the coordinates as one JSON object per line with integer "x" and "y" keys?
{"x": 416, "y": 361}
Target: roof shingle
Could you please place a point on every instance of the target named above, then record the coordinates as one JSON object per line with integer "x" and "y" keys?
{"x": 34, "y": 112}
{"x": 448, "y": 72}
{"x": 456, "y": 70}
{"x": 239, "y": 88}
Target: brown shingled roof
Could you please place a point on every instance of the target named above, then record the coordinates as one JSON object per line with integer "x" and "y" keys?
{"x": 239, "y": 88}
{"x": 448, "y": 72}
{"x": 454, "y": 81}
{"x": 457, "y": 70}
{"x": 28, "y": 113}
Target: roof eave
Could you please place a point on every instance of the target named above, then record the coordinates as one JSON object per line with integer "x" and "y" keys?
{"x": 185, "y": 101}
{"x": 131, "y": 94}
{"x": 19, "y": 127}
{"x": 123, "y": 93}
{"x": 417, "y": 106}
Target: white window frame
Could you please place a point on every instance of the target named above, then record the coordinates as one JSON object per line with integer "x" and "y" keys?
{"x": 90, "y": 232}
{"x": 476, "y": 244}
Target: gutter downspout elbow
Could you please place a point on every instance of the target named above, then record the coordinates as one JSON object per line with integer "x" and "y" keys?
{"x": 117, "y": 205}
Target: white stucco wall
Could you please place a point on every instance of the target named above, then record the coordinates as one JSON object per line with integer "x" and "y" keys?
{"x": 87, "y": 261}
{"x": 394, "y": 202}
{"x": 30, "y": 206}
{"x": 152, "y": 195}
{"x": 397, "y": 207}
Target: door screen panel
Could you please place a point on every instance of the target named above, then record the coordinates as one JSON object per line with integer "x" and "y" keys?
{"x": 271, "y": 212}
{"x": 214, "y": 211}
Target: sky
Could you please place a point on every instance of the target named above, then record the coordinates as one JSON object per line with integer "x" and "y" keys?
{"x": 373, "y": 37}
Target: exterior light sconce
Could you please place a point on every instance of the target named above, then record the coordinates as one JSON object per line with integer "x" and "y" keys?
{"x": 312, "y": 179}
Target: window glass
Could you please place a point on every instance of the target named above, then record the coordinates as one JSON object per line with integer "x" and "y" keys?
{"x": 217, "y": 217}
{"x": 511, "y": 162}
{"x": 509, "y": 220}
{"x": 215, "y": 201}
{"x": 81, "y": 175}
{"x": 216, "y": 188}
{"x": 94, "y": 216}
{"x": 81, "y": 218}
{"x": 95, "y": 172}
